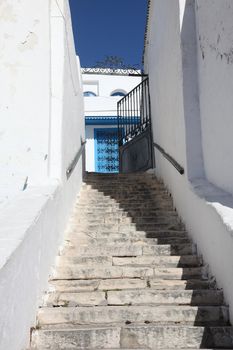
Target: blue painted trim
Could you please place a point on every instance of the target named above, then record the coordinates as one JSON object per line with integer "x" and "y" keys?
{"x": 95, "y": 148}
{"x": 109, "y": 120}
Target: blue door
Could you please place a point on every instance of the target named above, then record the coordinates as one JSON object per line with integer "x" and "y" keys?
{"x": 106, "y": 150}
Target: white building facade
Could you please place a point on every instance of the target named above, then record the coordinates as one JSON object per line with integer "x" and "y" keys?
{"x": 102, "y": 91}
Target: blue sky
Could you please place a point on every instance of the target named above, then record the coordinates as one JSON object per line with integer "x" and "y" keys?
{"x": 109, "y": 28}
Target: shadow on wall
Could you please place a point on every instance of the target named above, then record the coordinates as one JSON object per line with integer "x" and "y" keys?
{"x": 149, "y": 207}
{"x": 194, "y": 153}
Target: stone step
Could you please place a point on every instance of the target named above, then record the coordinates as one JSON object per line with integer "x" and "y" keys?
{"x": 71, "y": 286}
{"x": 86, "y": 272}
{"x": 95, "y": 272}
{"x": 136, "y": 297}
{"x": 131, "y": 249}
{"x": 124, "y": 220}
{"x": 75, "y": 299}
{"x": 191, "y": 315}
{"x": 178, "y": 297}
{"x": 121, "y": 188}
{"x": 190, "y": 284}
{"x": 126, "y": 227}
{"x": 134, "y": 205}
{"x": 75, "y": 240}
{"x": 131, "y": 336}
{"x": 145, "y": 260}
{"x": 101, "y": 284}
{"x": 160, "y": 261}
{"x": 88, "y": 212}
{"x": 118, "y": 195}
{"x": 84, "y": 260}
{"x": 128, "y": 235}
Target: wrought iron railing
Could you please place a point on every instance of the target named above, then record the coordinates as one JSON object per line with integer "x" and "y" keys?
{"x": 74, "y": 162}
{"x": 133, "y": 111}
{"x": 176, "y": 165}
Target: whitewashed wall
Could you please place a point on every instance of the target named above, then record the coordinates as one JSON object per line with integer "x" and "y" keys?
{"x": 215, "y": 68}
{"x": 25, "y": 82}
{"x": 42, "y": 123}
{"x": 104, "y": 103}
{"x": 191, "y": 120}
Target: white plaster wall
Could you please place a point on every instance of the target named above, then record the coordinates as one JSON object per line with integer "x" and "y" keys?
{"x": 109, "y": 83}
{"x": 43, "y": 89}
{"x": 25, "y": 91}
{"x": 67, "y": 114}
{"x": 215, "y": 63}
{"x": 205, "y": 208}
{"x": 104, "y": 104}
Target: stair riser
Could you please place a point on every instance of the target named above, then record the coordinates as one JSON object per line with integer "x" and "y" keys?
{"x": 72, "y": 286}
{"x": 136, "y": 250}
{"x": 136, "y": 297}
{"x": 74, "y": 242}
{"x": 87, "y": 272}
{"x": 139, "y": 314}
{"x": 128, "y": 235}
{"x": 114, "y": 220}
{"x": 136, "y": 337}
{"x": 167, "y": 261}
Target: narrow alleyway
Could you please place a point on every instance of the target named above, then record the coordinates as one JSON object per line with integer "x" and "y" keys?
{"x": 129, "y": 276}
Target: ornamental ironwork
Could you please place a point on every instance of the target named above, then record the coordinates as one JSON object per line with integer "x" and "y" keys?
{"x": 113, "y": 71}
{"x": 107, "y": 159}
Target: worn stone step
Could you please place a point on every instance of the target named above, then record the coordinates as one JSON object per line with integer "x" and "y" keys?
{"x": 134, "y": 314}
{"x": 88, "y": 212}
{"x": 75, "y": 240}
{"x": 103, "y": 200}
{"x": 93, "y": 285}
{"x": 94, "y": 272}
{"x": 71, "y": 286}
{"x": 160, "y": 261}
{"x": 190, "y": 284}
{"x": 124, "y": 220}
{"x": 128, "y": 206}
{"x": 131, "y": 249}
{"x": 76, "y": 338}
{"x": 75, "y": 299}
{"x": 126, "y": 227}
{"x": 83, "y": 260}
{"x": 136, "y": 297}
{"x": 128, "y": 235}
{"x": 178, "y": 297}
{"x": 173, "y": 249}
{"x": 180, "y": 273}
{"x": 105, "y": 250}
{"x": 86, "y": 272}
{"x": 148, "y": 336}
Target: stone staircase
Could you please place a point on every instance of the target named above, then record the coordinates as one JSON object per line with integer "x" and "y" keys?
{"x": 129, "y": 277}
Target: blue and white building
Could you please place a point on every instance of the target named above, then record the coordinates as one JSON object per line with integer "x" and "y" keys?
{"x": 102, "y": 89}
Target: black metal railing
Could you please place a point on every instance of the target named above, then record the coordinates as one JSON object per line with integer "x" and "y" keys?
{"x": 133, "y": 111}
{"x": 74, "y": 162}
{"x": 176, "y": 165}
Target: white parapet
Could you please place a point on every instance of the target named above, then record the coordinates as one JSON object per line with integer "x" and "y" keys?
{"x": 188, "y": 55}
{"x": 42, "y": 127}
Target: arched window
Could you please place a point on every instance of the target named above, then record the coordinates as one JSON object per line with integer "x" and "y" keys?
{"x": 89, "y": 94}
{"x": 117, "y": 93}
